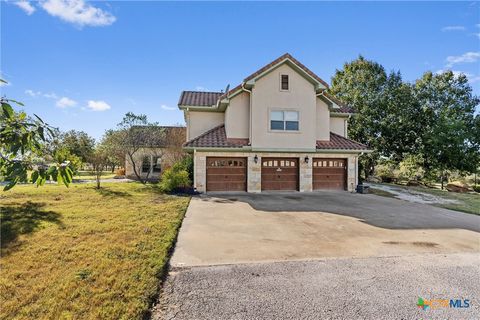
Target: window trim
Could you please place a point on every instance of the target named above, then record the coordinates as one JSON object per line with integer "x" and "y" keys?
{"x": 288, "y": 82}
{"x": 270, "y": 110}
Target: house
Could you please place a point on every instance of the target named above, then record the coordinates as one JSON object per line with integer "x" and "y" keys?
{"x": 154, "y": 149}
{"x": 277, "y": 130}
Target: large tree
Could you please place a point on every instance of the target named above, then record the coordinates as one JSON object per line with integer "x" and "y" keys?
{"x": 450, "y": 129}
{"x": 78, "y": 143}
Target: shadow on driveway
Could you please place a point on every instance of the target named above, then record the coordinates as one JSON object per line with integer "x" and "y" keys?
{"x": 375, "y": 210}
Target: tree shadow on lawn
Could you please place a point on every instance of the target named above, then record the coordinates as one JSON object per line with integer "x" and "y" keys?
{"x": 23, "y": 219}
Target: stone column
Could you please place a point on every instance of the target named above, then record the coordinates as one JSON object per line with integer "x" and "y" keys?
{"x": 306, "y": 174}
{"x": 200, "y": 176}
{"x": 351, "y": 173}
{"x": 254, "y": 174}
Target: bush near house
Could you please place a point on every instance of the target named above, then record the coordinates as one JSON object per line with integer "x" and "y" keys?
{"x": 175, "y": 178}
{"x": 83, "y": 253}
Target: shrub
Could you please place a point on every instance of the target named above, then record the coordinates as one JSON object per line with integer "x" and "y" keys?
{"x": 174, "y": 178}
{"x": 187, "y": 164}
{"x": 410, "y": 169}
{"x": 385, "y": 171}
{"x": 476, "y": 188}
{"x": 120, "y": 172}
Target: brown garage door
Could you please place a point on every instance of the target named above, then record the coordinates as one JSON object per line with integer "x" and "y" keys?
{"x": 226, "y": 174}
{"x": 329, "y": 174}
{"x": 279, "y": 174}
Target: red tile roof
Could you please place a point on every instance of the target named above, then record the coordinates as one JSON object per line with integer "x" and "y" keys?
{"x": 338, "y": 142}
{"x": 216, "y": 138}
{"x": 198, "y": 98}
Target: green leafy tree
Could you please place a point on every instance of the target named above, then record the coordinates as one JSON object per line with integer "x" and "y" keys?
{"x": 113, "y": 146}
{"x": 78, "y": 143}
{"x": 21, "y": 139}
{"x": 449, "y": 126}
{"x": 99, "y": 159}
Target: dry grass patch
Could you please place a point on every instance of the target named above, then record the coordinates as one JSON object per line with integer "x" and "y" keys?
{"x": 84, "y": 254}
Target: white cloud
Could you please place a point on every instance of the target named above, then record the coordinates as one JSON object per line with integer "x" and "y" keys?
{"x": 78, "y": 12}
{"x": 50, "y": 95}
{"x": 98, "y": 105}
{"x": 453, "y": 28}
{"x": 467, "y": 57}
{"x": 65, "y": 102}
{"x": 32, "y": 93}
{"x": 165, "y": 107}
{"x": 25, "y": 6}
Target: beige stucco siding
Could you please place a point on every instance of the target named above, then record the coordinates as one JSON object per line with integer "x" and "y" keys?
{"x": 338, "y": 126}
{"x": 237, "y": 116}
{"x": 322, "y": 121}
{"x": 199, "y": 122}
{"x": 267, "y": 96}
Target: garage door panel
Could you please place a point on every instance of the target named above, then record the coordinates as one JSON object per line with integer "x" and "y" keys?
{"x": 279, "y": 174}
{"x": 226, "y": 174}
{"x": 329, "y": 174}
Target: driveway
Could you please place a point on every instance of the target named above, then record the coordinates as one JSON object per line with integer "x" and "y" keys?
{"x": 242, "y": 228}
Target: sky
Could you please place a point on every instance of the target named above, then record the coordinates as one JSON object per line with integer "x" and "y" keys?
{"x": 83, "y": 64}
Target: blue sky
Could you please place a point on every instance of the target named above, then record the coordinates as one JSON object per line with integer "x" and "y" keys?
{"x": 84, "y": 65}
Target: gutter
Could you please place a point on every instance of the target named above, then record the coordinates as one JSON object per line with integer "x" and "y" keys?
{"x": 249, "y": 113}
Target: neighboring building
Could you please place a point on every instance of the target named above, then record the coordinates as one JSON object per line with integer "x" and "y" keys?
{"x": 277, "y": 130}
{"x": 158, "y": 154}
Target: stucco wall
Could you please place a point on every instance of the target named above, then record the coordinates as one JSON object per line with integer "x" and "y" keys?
{"x": 166, "y": 161}
{"x": 199, "y": 122}
{"x": 254, "y": 177}
{"x": 337, "y": 125}
{"x": 267, "y": 96}
{"x": 323, "y": 120}
{"x": 237, "y": 116}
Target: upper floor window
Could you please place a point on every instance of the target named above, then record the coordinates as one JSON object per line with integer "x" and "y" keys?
{"x": 284, "y": 120}
{"x": 284, "y": 85}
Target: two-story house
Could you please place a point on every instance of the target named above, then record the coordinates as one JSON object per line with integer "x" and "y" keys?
{"x": 278, "y": 130}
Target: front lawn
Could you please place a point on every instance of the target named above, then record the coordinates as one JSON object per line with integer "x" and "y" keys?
{"x": 79, "y": 253}
{"x": 90, "y": 175}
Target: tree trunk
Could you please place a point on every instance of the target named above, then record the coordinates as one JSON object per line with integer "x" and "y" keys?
{"x": 130, "y": 156}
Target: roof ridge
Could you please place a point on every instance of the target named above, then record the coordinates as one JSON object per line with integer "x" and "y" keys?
{"x": 197, "y": 91}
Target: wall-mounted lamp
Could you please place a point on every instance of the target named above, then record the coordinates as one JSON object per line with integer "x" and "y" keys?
{"x": 306, "y": 159}
{"x": 255, "y": 159}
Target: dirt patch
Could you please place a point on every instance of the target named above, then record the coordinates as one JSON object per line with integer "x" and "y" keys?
{"x": 411, "y": 195}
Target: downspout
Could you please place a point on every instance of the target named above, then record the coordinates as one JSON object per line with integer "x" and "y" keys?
{"x": 249, "y": 113}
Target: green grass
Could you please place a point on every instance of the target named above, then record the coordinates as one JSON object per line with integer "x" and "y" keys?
{"x": 82, "y": 253}
{"x": 467, "y": 202}
{"x": 89, "y": 175}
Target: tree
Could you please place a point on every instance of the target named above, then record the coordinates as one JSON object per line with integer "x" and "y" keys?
{"x": 78, "y": 143}
{"x": 449, "y": 137}
{"x": 111, "y": 143}
{"x": 135, "y": 134}
{"x": 22, "y": 138}
{"x": 98, "y": 159}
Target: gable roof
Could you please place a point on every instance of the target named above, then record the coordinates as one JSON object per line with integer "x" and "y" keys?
{"x": 212, "y": 99}
{"x": 199, "y": 98}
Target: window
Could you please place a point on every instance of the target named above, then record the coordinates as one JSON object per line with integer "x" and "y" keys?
{"x": 146, "y": 164}
{"x": 284, "y": 82}
{"x": 156, "y": 164}
{"x": 284, "y": 120}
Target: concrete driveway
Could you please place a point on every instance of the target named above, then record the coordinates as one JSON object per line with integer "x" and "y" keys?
{"x": 243, "y": 228}
{"x": 328, "y": 255}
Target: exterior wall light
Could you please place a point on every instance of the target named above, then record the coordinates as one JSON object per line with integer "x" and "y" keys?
{"x": 306, "y": 159}
{"x": 255, "y": 159}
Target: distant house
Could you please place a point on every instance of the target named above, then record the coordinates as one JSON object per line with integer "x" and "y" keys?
{"x": 155, "y": 155}
{"x": 277, "y": 130}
